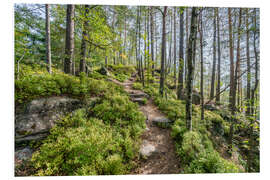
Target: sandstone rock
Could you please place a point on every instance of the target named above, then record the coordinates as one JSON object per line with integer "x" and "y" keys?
{"x": 40, "y": 116}
{"x": 23, "y": 154}
{"x": 147, "y": 149}
{"x": 161, "y": 122}
{"x": 139, "y": 95}
{"x": 141, "y": 101}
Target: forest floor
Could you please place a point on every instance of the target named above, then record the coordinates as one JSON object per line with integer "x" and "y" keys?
{"x": 164, "y": 159}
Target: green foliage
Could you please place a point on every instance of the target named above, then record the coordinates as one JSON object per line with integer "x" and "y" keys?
{"x": 195, "y": 149}
{"x": 211, "y": 162}
{"x": 37, "y": 83}
{"x": 96, "y": 75}
{"x": 137, "y": 86}
{"x": 83, "y": 145}
{"x": 191, "y": 146}
{"x": 119, "y": 111}
{"x": 121, "y": 77}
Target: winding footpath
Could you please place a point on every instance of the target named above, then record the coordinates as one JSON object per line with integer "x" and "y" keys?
{"x": 157, "y": 144}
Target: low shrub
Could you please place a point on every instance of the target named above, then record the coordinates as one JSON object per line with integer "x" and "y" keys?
{"x": 82, "y": 145}
{"x": 137, "y": 86}
{"x": 32, "y": 86}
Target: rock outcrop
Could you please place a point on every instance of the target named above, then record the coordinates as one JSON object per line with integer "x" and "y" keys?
{"x": 40, "y": 116}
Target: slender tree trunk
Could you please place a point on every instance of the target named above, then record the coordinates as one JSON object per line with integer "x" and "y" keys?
{"x": 48, "y": 39}
{"x": 248, "y": 66}
{"x": 145, "y": 39}
{"x": 192, "y": 39}
{"x": 163, "y": 49}
{"x": 219, "y": 58}
{"x": 140, "y": 56}
{"x": 231, "y": 60}
{"x": 201, "y": 45}
{"x": 170, "y": 48}
{"x": 253, "y": 111}
{"x": 69, "y": 50}
{"x": 152, "y": 40}
{"x": 212, "y": 90}
{"x": 84, "y": 37}
{"x": 181, "y": 57}
{"x": 252, "y": 108}
{"x": 148, "y": 45}
{"x": 138, "y": 41}
{"x": 174, "y": 39}
{"x": 235, "y": 82}
{"x": 186, "y": 51}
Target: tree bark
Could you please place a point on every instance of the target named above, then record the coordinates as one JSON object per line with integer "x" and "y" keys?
{"x": 181, "y": 58}
{"x": 231, "y": 60}
{"x": 248, "y": 101}
{"x": 152, "y": 40}
{"x": 69, "y": 50}
{"x": 192, "y": 39}
{"x": 84, "y": 37}
{"x": 233, "y": 106}
{"x": 253, "y": 109}
{"x": 212, "y": 91}
{"x": 201, "y": 45}
{"x": 186, "y": 51}
{"x": 174, "y": 39}
{"x": 163, "y": 49}
{"x": 219, "y": 58}
{"x": 48, "y": 39}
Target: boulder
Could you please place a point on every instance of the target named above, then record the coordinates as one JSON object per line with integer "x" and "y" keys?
{"x": 139, "y": 95}
{"x": 140, "y": 101}
{"x": 40, "y": 116}
{"x": 147, "y": 149}
{"x": 23, "y": 154}
{"x": 161, "y": 122}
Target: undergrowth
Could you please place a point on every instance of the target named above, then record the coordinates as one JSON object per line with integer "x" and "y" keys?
{"x": 196, "y": 150}
{"x": 101, "y": 138}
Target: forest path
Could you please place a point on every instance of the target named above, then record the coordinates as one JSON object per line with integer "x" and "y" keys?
{"x": 157, "y": 142}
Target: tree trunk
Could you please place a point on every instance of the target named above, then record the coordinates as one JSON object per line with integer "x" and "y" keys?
{"x": 174, "y": 39}
{"x": 84, "y": 37}
{"x": 201, "y": 45}
{"x": 212, "y": 91}
{"x": 253, "y": 109}
{"x": 186, "y": 51}
{"x": 192, "y": 39}
{"x": 233, "y": 106}
{"x": 181, "y": 57}
{"x": 152, "y": 40}
{"x": 48, "y": 39}
{"x": 231, "y": 60}
{"x": 69, "y": 50}
{"x": 219, "y": 58}
{"x": 248, "y": 66}
{"x": 163, "y": 49}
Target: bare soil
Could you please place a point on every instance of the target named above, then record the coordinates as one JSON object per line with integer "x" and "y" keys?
{"x": 165, "y": 160}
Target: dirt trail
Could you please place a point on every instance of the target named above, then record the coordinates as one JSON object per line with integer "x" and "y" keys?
{"x": 164, "y": 160}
